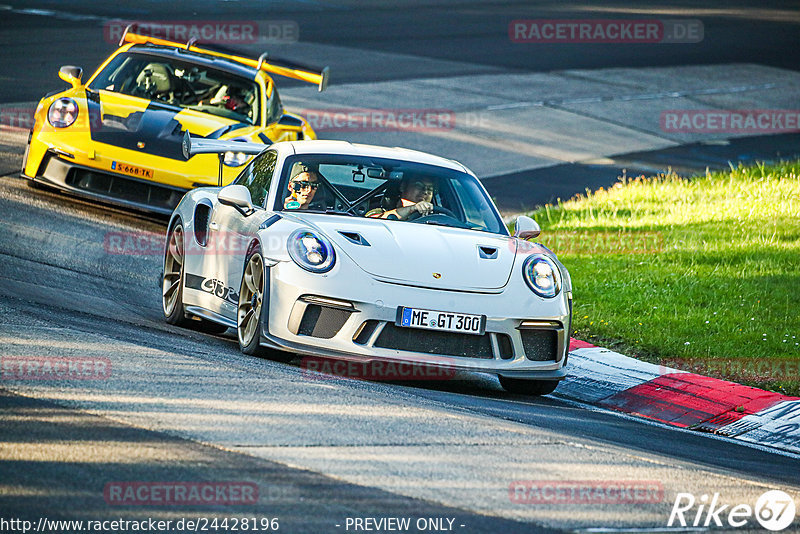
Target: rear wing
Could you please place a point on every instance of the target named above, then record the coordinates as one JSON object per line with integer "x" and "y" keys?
{"x": 306, "y": 73}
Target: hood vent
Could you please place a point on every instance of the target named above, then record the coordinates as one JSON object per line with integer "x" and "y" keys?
{"x": 355, "y": 238}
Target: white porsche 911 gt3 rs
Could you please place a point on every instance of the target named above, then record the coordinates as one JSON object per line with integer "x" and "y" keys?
{"x": 365, "y": 253}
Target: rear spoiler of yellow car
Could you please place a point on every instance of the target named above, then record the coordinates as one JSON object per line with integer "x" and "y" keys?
{"x": 317, "y": 76}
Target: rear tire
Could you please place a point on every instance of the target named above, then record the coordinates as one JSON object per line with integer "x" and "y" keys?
{"x": 524, "y": 386}
{"x": 172, "y": 279}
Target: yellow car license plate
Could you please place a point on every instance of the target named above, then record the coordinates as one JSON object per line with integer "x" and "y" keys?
{"x": 132, "y": 170}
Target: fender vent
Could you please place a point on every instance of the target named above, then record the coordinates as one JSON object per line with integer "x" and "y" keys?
{"x": 201, "y": 215}
{"x": 356, "y": 238}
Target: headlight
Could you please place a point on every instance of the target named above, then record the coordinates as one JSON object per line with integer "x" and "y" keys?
{"x": 311, "y": 252}
{"x": 62, "y": 112}
{"x": 234, "y": 159}
{"x": 542, "y": 276}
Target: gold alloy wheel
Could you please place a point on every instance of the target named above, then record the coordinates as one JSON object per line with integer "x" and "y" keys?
{"x": 173, "y": 271}
{"x": 250, "y": 299}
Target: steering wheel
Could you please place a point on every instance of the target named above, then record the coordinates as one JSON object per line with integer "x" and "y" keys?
{"x": 437, "y": 210}
{"x": 187, "y": 93}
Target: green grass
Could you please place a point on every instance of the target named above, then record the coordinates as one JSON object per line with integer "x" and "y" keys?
{"x": 700, "y": 273}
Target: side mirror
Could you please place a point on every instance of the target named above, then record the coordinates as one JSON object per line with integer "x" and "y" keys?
{"x": 71, "y": 75}
{"x": 288, "y": 120}
{"x": 526, "y": 228}
{"x": 236, "y": 196}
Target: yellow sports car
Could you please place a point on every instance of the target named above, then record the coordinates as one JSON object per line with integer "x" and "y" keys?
{"x": 117, "y": 137}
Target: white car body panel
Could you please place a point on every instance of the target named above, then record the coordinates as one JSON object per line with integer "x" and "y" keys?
{"x": 399, "y": 268}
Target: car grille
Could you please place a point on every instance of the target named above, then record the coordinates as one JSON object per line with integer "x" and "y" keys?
{"x": 540, "y": 345}
{"x": 363, "y": 334}
{"x": 433, "y": 342}
{"x": 322, "y": 322}
{"x": 124, "y": 189}
{"x": 505, "y": 347}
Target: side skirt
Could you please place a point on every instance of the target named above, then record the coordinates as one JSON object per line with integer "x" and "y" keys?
{"x": 210, "y": 316}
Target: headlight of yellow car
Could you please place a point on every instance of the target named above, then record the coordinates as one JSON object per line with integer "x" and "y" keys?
{"x": 62, "y": 112}
{"x": 235, "y": 159}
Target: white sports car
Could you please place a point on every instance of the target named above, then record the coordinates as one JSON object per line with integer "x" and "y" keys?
{"x": 364, "y": 253}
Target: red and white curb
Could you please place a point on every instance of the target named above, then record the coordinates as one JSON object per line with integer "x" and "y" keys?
{"x": 611, "y": 380}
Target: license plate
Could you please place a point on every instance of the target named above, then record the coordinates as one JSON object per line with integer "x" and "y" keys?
{"x": 439, "y": 320}
{"x": 132, "y": 170}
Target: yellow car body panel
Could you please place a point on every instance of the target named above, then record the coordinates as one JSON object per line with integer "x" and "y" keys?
{"x": 125, "y": 149}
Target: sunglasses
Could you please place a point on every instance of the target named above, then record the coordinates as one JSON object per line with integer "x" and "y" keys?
{"x": 300, "y": 185}
{"x": 427, "y": 188}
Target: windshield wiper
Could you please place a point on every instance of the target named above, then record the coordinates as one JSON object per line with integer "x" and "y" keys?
{"x": 437, "y": 223}
{"x": 336, "y": 212}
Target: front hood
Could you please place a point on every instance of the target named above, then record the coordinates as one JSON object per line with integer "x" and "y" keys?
{"x": 146, "y": 126}
{"x": 414, "y": 254}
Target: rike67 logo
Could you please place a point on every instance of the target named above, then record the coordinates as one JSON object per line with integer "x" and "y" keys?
{"x": 774, "y": 510}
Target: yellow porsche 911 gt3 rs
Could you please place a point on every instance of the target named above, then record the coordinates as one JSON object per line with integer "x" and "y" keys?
{"x": 117, "y": 137}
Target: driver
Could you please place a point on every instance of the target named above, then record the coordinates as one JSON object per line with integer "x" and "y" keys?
{"x": 231, "y": 97}
{"x": 302, "y": 188}
{"x": 416, "y": 195}
{"x": 234, "y": 100}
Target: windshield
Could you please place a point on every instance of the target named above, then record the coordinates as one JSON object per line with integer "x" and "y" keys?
{"x": 386, "y": 189}
{"x": 181, "y": 84}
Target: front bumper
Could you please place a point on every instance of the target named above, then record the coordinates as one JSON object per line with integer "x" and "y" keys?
{"x": 112, "y": 188}
{"x": 520, "y": 340}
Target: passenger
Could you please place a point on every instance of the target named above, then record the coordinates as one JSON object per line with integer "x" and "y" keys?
{"x": 302, "y": 188}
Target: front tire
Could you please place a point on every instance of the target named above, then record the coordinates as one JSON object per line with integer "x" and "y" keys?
{"x": 249, "y": 315}
{"x": 528, "y": 387}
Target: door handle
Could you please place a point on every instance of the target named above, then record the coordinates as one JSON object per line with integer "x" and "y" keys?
{"x": 214, "y": 225}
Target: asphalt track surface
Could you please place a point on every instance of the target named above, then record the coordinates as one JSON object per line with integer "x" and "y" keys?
{"x": 181, "y": 405}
